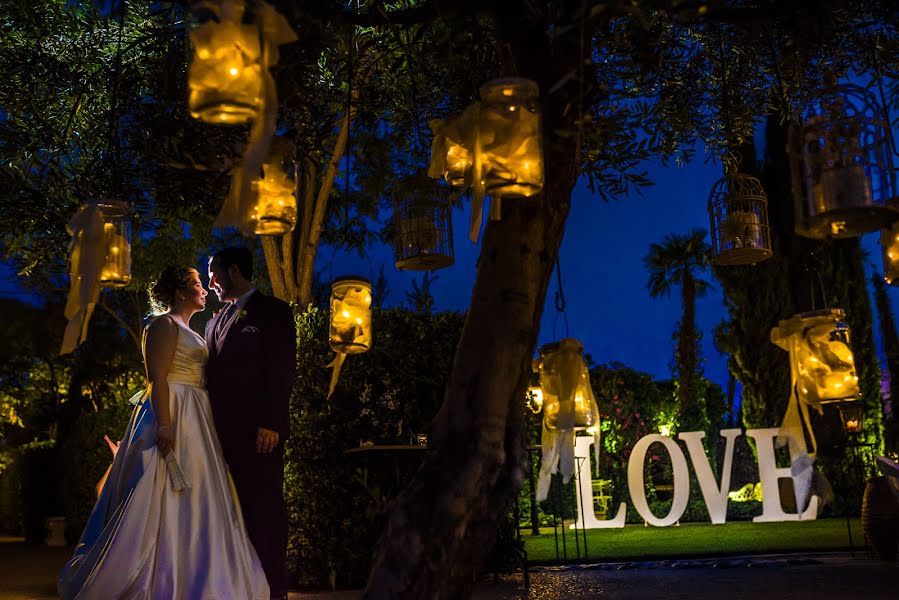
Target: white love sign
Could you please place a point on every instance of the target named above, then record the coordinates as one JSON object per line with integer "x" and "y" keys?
{"x": 714, "y": 493}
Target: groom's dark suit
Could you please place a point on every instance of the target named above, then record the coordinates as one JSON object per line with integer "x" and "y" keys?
{"x": 250, "y": 374}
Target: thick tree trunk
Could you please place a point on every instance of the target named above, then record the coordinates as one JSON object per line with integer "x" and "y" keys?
{"x": 442, "y": 525}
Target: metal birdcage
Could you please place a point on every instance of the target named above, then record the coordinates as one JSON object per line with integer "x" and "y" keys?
{"x": 738, "y": 214}
{"x": 424, "y": 232}
{"x": 846, "y": 176}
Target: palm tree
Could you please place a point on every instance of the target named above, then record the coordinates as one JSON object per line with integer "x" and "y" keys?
{"x": 680, "y": 260}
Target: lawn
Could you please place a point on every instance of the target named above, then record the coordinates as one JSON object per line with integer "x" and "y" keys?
{"x": 636, "y": 542}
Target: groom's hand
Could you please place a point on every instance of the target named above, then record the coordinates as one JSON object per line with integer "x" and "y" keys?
{"x": 266, "y": 440}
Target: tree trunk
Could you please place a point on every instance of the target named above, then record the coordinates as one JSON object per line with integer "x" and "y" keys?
{"x": 444, "y": 522}
{"x": 442, "y": 525}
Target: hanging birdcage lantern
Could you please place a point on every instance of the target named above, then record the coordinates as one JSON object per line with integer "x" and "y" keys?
{"x": 274, "y": 210}
{"x": 738, "y": 211}
{"x": 508, "y": 142}
{"x": 568, "y": 402}
{"x": 844, "y": 168}
{"x": 424, "y": 231}
{"x": 821, "y": 360}
{"x": 116, "y": 271}
{"x": 225, "y": 74}
{"x": 350, "y": 315}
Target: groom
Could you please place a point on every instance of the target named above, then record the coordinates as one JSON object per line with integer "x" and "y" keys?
{"x": 251, "y": 370}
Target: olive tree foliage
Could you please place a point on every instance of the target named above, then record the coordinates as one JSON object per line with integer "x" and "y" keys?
{"x": 621, "y": 82}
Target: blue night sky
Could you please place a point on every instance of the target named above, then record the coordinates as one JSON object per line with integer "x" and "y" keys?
{"x": 608, "y": 306}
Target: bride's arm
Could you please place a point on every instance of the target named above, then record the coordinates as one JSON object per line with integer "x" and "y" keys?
{"x": 162, "y": 336}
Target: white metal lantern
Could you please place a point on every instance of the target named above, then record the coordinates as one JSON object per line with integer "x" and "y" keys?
{"x": 350, "y": 315}
{"x": 844, "y": 168}
{"x": 509, "y": 147}
{"x": 225, "y": 75}
{"x": 424, "y": 231}
{"x": 738, "y": 212}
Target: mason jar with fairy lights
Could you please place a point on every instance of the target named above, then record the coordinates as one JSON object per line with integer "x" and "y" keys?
{"x": 350, "y": 330}
{"x": 509, "y": 146}
{"x": 568, "y": 401}
{"x": 225, "y": 76}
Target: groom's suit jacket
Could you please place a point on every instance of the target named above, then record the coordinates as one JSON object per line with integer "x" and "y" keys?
{"x": 251, "y": 370}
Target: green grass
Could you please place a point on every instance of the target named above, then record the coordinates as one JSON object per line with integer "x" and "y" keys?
{"x": 636, "y": 542}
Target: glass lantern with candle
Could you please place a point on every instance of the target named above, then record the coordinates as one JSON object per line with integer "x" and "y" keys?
{"x": 852, "y": 413}
{"x": 116, "y": 270}
{"x": 568, "y": 402}
{"x": 508, "y": 147}
{"x": 350, "y": 331}
{"x": 225, "y": 73}
{"x": 821, "y": 359}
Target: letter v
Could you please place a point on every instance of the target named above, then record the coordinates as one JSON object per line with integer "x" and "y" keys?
{"x": 715, "y": 497}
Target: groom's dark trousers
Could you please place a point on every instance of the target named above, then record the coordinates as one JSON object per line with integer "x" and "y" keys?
{"x": 250, "y": 374}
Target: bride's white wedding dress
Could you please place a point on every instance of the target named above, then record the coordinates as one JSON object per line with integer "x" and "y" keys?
{"x": 146, "y": 541}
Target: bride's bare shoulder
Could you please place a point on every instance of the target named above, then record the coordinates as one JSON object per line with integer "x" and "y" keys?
{"x": 163, "y": 325}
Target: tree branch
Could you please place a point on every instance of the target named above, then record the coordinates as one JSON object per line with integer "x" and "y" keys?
{"x": 128, "y": 329}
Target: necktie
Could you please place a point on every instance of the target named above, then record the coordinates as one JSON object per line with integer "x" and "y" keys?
{"x": 226, "y": 316}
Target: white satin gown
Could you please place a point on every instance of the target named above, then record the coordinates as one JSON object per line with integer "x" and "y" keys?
{"x": 146, "y": 541}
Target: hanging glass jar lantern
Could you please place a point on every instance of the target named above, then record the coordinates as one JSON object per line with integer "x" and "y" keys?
{"x": 568, "y": 402}
{"x": 350, "y": 315}
{"x": 508, "y": 143}
{"x": 844, "y": 167}
{"x": 274, "y": 210}
{"x": 821, "y": 359}
{"x": 738, "y": 211}
{"x": 116, "y": 271}
{"x": 424, "y": 230}
{"x": 451, "y": 154}
{"x": 225, "y": 74}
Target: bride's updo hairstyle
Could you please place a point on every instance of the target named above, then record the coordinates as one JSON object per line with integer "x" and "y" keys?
{"x": 162, "y": 291}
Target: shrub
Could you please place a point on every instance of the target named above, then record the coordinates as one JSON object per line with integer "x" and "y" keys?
{"x": 337, "y": 502}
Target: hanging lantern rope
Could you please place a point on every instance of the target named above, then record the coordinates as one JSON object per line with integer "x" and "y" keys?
{"x": 560, "y": 301}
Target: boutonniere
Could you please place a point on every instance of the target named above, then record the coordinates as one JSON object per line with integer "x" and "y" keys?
{"x": 241, "y": 314}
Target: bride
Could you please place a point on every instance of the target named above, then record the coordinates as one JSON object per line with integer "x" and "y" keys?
{"x": 167, "y": 523}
